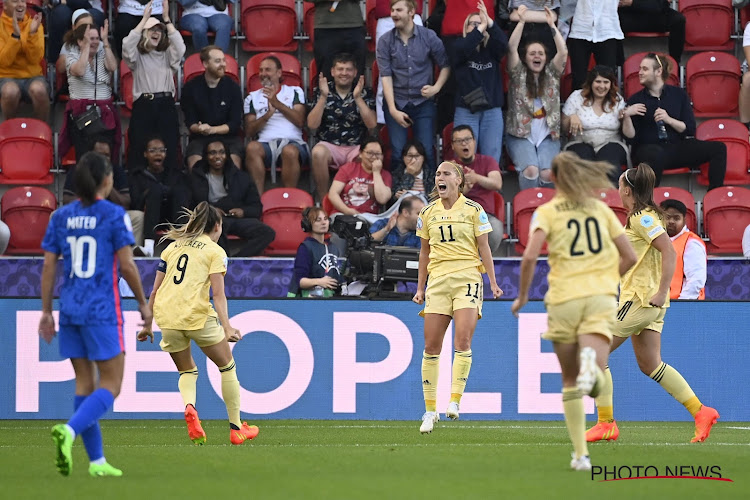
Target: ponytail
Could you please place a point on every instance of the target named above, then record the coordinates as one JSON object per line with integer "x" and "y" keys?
{"x": 90, "y": 172}
{"x": 201, "y": 220}
{"x": 641, "y": 181}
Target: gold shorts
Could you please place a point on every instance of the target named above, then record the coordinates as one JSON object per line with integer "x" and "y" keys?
{"x": 178, "y": 340}
{"x": 633, "y": 318}
{"x": 450, "y": 292}
{"x": 568, "y": 320}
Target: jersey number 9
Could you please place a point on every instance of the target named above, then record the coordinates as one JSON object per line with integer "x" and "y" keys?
{"x": 182, "y": 263}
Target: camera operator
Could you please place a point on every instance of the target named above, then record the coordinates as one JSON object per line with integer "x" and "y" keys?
{"x": 401, "y": 228}
{"x": 316, "y": 266}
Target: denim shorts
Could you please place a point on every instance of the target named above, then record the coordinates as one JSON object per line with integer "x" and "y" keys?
{"x": 304, "y": 154}
{"x": 523, "y": 152}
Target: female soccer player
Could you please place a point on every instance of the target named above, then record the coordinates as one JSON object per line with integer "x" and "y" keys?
{"x": 454, "y": 232}
{"x": 584, "y": 238}
{"x": 644, "y": 298}
{"x": 93, "y": 235}
{"x": 191, "y": 264}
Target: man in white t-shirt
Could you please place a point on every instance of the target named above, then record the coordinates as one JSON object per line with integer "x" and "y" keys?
{"x": 274, "y": 117}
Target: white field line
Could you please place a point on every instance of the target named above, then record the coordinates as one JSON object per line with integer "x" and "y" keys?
{"x": 451, "y": 426}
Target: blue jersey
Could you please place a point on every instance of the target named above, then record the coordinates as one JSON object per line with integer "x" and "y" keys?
{"x": 88, "y": 238}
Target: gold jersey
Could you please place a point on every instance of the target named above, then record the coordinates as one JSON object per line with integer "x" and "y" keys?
{"x": 642, "y": 280}
{"x": 182, "y": 301}
{"x": 583, "y": 257}
{"x": 452, "y": 234}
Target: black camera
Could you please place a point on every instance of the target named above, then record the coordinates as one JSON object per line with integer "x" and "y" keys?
{"x": 359, "y": 256}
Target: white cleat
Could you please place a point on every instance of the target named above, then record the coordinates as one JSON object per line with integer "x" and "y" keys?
{"x": 428, "y": 421}
{"x": 452, "y": 411}
{"x": 580, "y": 463}
{"x": 586, "y": 380}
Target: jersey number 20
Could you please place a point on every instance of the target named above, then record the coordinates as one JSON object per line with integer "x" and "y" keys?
{"x": 593, "y": 236}
{"x": 78, "y": 247}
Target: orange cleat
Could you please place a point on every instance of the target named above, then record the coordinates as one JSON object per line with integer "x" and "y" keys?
{"x": 195, "y": 431}
{"x": 603, "y": 431}
{"x": 239, "y": 436}
{"x": 704, "y": 420}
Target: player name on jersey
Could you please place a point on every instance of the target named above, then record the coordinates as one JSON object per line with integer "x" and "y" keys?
{"x": 81, "y": 222}
{"x": 193, "y": 243}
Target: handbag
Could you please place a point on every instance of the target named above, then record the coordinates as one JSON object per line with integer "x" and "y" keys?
{"x": 89, "y": 123}
{"x": 476, "y": 100}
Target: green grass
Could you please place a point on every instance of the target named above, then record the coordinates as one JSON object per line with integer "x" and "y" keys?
{"x": 363, "y": 459}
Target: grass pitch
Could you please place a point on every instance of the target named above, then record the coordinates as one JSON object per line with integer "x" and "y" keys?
{"x": 362, "y": 459}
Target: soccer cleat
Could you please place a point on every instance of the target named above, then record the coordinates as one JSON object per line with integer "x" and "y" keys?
{"x": 586, "y": 380}
{"x": 63, "y": 440}
{"x": 704, "y": 420}
{"x": 104, "y": 470}
{"x": 603, "y": 431}
{"x": 195, "y": 430}
{"x": 452, "y": 411}
{"x": 246, "y": 432}
{"x": 428, "y": 421}
{"x": 580, "y": 463}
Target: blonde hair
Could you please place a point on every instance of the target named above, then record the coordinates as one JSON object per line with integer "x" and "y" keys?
{"x": 485, "y": 35}
{"x": 579, "y": 180}
{"x": 201, "y": 220}
{"x": 434, "y": 195}
{"x": 144, "y": 44}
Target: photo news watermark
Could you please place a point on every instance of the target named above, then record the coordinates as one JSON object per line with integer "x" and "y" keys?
{"x": 623, "y": 472}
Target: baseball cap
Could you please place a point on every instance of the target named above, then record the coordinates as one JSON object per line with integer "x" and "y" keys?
{"x": 152, "y": 21}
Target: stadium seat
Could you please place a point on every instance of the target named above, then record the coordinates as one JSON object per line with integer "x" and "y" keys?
{"x": 612, "y": 198}
{"x": 268, "y": 25}
{"x": 313, "y": 79}
{"x": 282, "y": 209}
{"x": 194, "y": 67}
{"x": 708, "y": 24}
{"x": 566, "y": 84}
{"x": 126, "y": 88}
{"x": 371, "y": 23}
{"x": 686, "y": 197}
{"x": 524, "y": 204}
{"x": 630, "y": 70}
{"x": 726, "y": 214}
{"x": 446, "y": 149}
{"x": 26, "y": 152}
{"x": 26, "y": 210}
{"x": 713, "y": 83}
{"x": 308, "y": 25}
{"x": 375, "y": 77}
{"x": 290, "y": 67}
{"x": 328, "y": 206}
{"x": 734, "y": 134}
{"x": 499, "y": 212}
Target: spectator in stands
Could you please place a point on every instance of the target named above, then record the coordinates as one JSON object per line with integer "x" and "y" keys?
{"x": 212, "y": 104}
{"x": 130, "y": 13}
{"x": 362, "y": 186}
{"x": 316, "y": 265}
{"x": 342, "y": 114}
{"x": 157, "y": 192}
{"x": 654, "y": 16}
{"x": 533, "y": 118}
{"x": 483, "y": 178}
{"x": 217, "y": 180}
{"x": 595, "y": 30}
{"x": 80, "y": 17}
{"x": 62, "y": 17}
{"x": 89, "y": 64}
{"x": 21, "y": 60}
{"x": 275, "y": 114}
{"x": 746, "y": 242}
{"x": 201, "y": 16}
{"x": 413, "y": 178}
{"x": 475, "y": 59}
{"x": 591, "y": 118}
{"x": 689, "y": 280}
{"x": 4, "y": 237}
{"x": 339, "y": 27}
{"x": 744, "y": 100}
{"x": 400, "y": 229}
{"x": 537, "y": 25}
{"x": 153, "y": 51}
{"x": 660, "y": 124}
{"x": 406, "y": 55}
{"x": 383, "y": 26}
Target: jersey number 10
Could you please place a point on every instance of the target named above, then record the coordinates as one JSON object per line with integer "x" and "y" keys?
{"x": 78, "y": 247}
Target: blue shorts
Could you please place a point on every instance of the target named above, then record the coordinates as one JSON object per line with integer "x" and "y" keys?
{"x": 304, "y": 154}
{"x": 96, "y": 343}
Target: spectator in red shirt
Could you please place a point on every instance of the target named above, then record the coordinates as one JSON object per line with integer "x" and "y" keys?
{"x": 362, "y": 186}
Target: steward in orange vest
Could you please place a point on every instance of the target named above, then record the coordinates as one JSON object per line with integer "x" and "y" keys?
{"x": 689, "y": 278}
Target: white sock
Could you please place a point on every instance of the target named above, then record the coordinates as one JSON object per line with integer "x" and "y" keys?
{"x": 72, "y": 432}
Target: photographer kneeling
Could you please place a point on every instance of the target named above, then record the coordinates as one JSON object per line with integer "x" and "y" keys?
{"x": 316, "y": 271}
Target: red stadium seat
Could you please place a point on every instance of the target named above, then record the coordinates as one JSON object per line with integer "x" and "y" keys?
{"x": 269, "y": 25}
{"x": 734, "y": 134}
{"x": 282, "y": 209}
{"x": 328, "y": 206}
{"x": 194, "y": 67}
{"x": 566, "y": 84}
{"x": 630, "y": 70}
{"x": 713, "y": 83}
{"x": 447, "y": 139}
{"x": 126, "y": 88}
{"x": 709, "y": 24}
{"x": 524, "y": 204}
{"x": 26, "y": 152}
{"x": 375, "y": 77}
{"x": 313, "y": 82}
{"x": 726, "y": 214}
{"x": 290, "y": 68}
{"x": 371, "y": 22}
{"x": 686, "y": 197}
{"x": 308, "y": 25}
{"x": 26, "y": 210}
{"x": 499, "y": 212}
{"x": 612, "y": 198}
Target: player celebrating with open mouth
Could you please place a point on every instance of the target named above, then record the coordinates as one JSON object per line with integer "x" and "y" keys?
{"x": 455, "y": 252}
